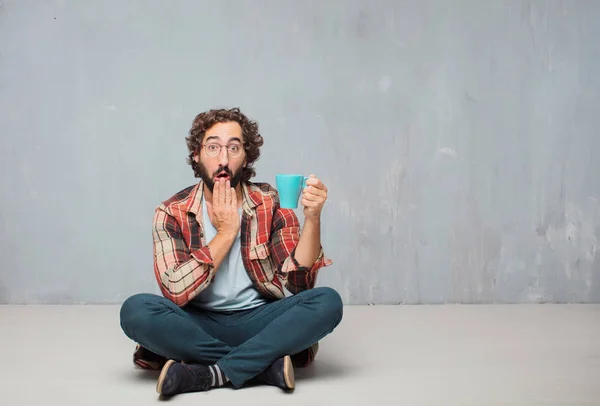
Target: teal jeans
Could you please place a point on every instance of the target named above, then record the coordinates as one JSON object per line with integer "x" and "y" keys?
{"x": 242, "y": 343}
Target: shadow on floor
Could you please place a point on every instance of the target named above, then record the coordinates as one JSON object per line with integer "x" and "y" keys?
{"x": 321, "y": 369}
{"x": 142, "y": 375}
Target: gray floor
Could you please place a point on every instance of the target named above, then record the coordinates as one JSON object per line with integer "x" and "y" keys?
{"x": 403, "y": 355}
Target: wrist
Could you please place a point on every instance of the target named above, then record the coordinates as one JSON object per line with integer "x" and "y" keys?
{"x": 313, "y": 218}
{"x": 227, "y": 234}
{"x": 313, "y": 221}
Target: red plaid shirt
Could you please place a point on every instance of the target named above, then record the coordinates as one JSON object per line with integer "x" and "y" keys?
{"x": 183, "y": 264}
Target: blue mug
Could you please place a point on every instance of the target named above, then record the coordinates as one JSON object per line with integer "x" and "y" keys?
{"x": 289, "y": 188}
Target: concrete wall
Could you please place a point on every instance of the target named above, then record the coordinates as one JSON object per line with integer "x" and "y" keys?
{"x": 459, "y": 139}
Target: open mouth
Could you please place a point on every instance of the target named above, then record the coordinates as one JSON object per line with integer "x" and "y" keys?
{"x": 222, "y": 175}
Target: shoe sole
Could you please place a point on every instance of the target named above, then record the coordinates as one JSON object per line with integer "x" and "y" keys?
{"x": 163, "y": 374}
{"x": 288, "y": 372}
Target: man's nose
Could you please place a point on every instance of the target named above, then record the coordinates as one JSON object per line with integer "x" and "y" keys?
{"x": 223, "y": 157}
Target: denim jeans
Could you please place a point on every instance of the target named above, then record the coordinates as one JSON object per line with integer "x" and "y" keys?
{"x": 242, "y": 343}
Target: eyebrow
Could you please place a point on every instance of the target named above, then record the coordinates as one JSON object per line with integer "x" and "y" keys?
{"x": 214, "y": 137}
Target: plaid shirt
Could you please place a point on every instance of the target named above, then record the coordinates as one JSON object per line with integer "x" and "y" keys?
{"x": 183, "y": 265}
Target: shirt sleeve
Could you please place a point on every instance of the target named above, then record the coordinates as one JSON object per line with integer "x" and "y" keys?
{"x": 181, "y": 274}
{"x": 285, "y": 235}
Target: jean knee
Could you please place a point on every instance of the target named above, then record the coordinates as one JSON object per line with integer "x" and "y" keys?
{"x": 332, "y": 304}
{"x": 135, "y": 310}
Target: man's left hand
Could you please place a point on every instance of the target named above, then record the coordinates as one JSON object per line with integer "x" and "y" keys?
{"x": 314, "y": 196}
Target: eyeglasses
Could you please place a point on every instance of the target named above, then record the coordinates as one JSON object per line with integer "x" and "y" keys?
{"x": 233, "y": 150}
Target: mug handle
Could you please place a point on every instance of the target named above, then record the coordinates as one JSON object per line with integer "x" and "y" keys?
{"x": 304, "y": 182}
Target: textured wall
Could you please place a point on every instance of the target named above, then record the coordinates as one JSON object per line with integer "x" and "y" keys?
{"x": 459, "y": 140}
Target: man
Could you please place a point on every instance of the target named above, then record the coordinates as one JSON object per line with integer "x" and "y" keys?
{"x": 224, "y": 250}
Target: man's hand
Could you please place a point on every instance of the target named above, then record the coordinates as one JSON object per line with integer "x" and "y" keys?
{"x": 314, "y": 196}
{"x": 225, "y": 215}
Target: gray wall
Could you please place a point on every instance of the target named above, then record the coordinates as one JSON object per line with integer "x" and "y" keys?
{"x": 459, "y": 139}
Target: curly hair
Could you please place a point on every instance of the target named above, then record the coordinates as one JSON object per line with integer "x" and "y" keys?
{"x": 252, "y": 138}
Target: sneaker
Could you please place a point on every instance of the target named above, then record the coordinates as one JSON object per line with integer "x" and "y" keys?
{"x": 146, "y": 359}
{"x": 177, "y": 377}
{"x": 280, "y": 373}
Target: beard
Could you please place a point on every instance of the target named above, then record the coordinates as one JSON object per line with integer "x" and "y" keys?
{"x": 234, "y": 178}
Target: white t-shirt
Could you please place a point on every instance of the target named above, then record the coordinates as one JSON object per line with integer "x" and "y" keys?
{"x": 232, "y": 288}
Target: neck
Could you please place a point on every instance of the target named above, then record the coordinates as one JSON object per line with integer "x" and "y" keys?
{"x": 208, "y": 196}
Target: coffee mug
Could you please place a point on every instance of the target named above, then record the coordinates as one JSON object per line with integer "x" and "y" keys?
{"x": 289, "y": 188}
